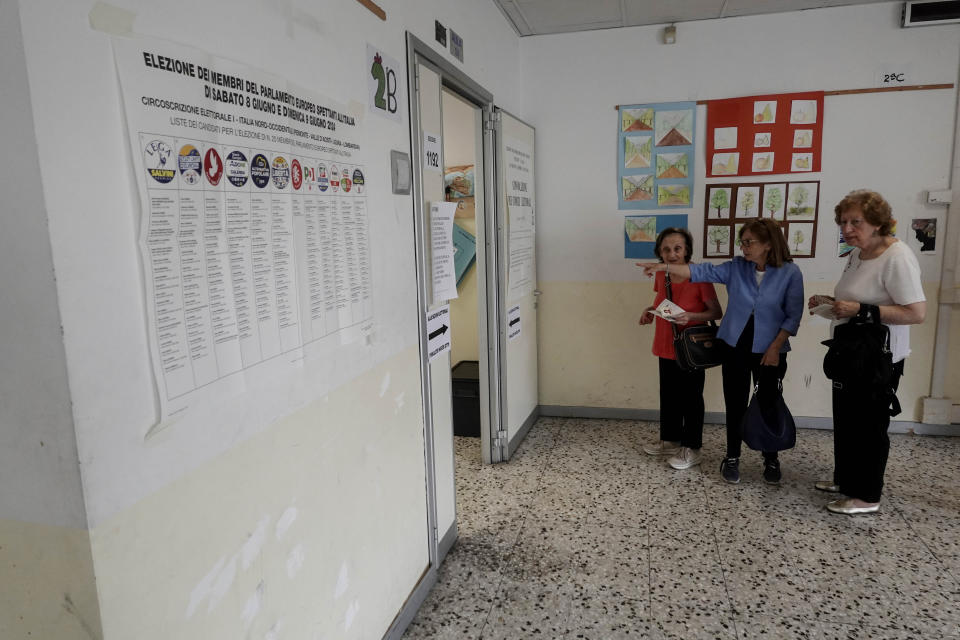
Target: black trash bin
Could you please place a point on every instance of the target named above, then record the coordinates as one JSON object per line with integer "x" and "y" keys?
{"x": 466, "y": 398}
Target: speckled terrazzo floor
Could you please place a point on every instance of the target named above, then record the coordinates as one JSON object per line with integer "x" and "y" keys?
{"x": 581, "y": 535}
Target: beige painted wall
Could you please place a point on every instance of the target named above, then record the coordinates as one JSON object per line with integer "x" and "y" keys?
{"x": 952, "y": 381}
{"x": 314, "y": 528}
{"x": 594, "y": 354}
{"x": 308, "y": 521}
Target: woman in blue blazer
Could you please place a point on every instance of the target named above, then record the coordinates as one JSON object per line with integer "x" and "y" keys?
{"x": 764, "y": 308}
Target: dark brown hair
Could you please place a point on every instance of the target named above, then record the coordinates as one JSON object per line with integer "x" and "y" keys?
{"x": 876, "y": 210}
{"x": 687, "y": 237}
{"x": 769, "y": 231}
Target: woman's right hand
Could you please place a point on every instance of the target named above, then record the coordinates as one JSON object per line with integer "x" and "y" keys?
{"x": 651, "y": 268}
{"x": 646, "y": 317}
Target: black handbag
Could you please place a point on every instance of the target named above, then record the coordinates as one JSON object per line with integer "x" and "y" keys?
{"x": 696, "y": 347}
{"x": 859, "y": 357}
{"x": 769, "y": 426}
{"x": 859, "y": 353}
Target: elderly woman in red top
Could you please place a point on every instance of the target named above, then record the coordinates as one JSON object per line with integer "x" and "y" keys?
{"x": 681, "y": 392}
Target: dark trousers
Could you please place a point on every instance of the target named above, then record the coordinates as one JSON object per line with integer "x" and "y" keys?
{"x": 681, "y": 404}
{"x": 739, "y": 365}
{"x": 861, "y": 445}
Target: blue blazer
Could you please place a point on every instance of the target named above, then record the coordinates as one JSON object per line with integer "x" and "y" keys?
{"x": 776, "y": 304}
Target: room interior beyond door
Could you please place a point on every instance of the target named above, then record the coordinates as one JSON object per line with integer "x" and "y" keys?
{"x": 463, "y": 185}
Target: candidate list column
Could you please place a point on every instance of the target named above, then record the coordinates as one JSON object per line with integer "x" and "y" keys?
{"x": 163, "y": 226}
{"x": 330, "y": 248}
{"x": 223, "y": 312}
{"x": 196, "y": 292}
{"x": 237, "y": 167}
{"x": 261, "y": 254}
{"x": 365, "y": 308}
{"x": 285, "y": 204}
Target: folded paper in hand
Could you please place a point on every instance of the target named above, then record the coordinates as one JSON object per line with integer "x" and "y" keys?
{"x": 824, "y": 310}
{"x": 667, "y": 310}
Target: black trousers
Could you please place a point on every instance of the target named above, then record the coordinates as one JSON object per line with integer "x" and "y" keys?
{"x": 739, "y": 366}
{"x": 681, "y": 404}
{"x": 861, "y": 445}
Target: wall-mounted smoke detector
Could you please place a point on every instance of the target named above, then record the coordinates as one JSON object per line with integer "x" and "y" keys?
{"x": 670, "y": 34}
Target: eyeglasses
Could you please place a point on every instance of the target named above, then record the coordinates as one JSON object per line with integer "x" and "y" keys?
{"x": 747, "y": 243}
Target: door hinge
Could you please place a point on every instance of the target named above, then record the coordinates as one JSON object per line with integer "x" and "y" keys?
{"x": 490, "y": 120}
{"x": 501, "y": 439}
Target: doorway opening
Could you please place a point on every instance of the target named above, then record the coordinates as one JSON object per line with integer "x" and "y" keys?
{"x": 463, "y": 164}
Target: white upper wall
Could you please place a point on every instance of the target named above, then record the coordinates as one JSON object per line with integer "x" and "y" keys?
{"x": 898, "y": 143}
{"x": 94, "y": 208}
{"x": 39, "y": 471}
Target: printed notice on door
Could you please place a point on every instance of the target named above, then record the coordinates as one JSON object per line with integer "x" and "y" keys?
{"x": 518, "y": 173}
{"x": 442, "y": 251}
{"x": 255, "y": 231}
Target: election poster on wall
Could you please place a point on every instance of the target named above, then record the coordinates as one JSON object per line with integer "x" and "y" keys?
{"x": 254, "y": 233}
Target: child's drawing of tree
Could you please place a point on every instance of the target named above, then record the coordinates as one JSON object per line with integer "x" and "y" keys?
{"x": 719, "y": 200}
{"x": 798, "y": 197}
{"x": 719, "y": 236}
{"x": 747, "y": 203}
{"x": 773, "y": 201}
{"x": 797, "y": 239}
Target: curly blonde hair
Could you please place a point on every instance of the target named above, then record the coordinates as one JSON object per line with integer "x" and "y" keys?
{"x": 875, "y": 209}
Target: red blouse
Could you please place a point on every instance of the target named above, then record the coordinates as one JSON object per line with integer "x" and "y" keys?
{"x": 691, "y": 296}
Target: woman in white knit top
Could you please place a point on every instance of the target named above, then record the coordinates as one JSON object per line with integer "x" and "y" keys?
{"x": 882, "y": 276}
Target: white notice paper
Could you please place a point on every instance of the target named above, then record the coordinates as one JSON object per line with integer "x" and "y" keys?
{"x": 441, "y": 241}
{"x": 519, "y": 183}
{"x": 513, "y": 323}
{"x": 432, "y": 145}
{"x": 438, "y": 331}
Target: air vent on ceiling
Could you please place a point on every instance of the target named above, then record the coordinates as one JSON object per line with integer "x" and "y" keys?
{"x": 919, "y": 14}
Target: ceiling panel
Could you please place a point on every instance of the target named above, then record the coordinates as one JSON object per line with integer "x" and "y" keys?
{"x": 754, "y": 7}
{"x": 551, "y": 14}
{"x": 639, "y": 12}
{"x": 539, "y": 17}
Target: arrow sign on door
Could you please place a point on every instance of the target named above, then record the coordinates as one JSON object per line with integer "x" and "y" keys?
{"x": 513, "y": 323}
{"x": 438, "y": 334}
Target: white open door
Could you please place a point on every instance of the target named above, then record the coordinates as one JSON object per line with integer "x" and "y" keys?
{"x": 429, "y": 162}
{"x": 516, "y": 208}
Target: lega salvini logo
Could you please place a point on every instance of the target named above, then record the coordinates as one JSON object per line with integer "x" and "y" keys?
{"x": 156, "y": 157}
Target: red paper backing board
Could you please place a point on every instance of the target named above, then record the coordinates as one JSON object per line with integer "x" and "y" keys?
{"x": 739, "y": 113}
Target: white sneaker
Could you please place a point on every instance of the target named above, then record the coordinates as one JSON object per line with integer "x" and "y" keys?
{"x": 662, "y": 448}
{"x": 685, "y": 458}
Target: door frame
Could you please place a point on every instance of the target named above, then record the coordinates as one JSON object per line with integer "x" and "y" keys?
{"x": 459, "y": 83}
